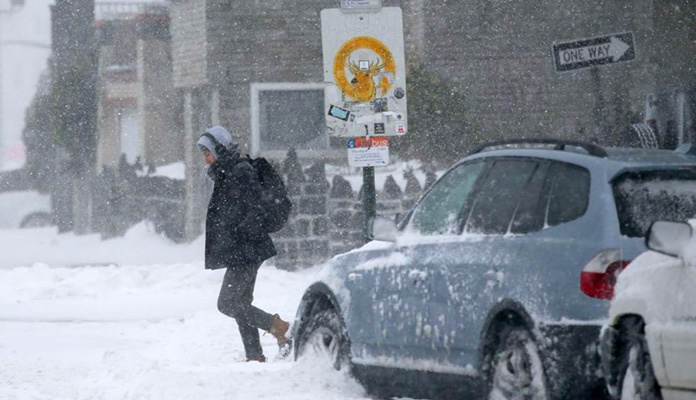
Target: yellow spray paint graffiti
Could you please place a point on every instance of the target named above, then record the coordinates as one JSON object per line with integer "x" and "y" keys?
{"x": 362, "y": 87}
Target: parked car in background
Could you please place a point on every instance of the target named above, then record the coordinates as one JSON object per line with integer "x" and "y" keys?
{"x": 495, "y": 284}
{"x": 649, "y": 344}
{"x": 20, "y": 205}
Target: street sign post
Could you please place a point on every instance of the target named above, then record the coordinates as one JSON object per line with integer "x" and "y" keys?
{"x": 365, "y": 78}
{"x": 590, "y": 52}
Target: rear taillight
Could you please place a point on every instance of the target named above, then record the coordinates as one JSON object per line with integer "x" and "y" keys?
{"x": 599, "y": 275}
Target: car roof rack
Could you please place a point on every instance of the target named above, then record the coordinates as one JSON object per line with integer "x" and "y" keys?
{"x": 554, "y": 144}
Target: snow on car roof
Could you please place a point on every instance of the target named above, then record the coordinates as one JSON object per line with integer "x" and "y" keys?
{"x": 633, "y": 156}
{"x": 649, "y": 156}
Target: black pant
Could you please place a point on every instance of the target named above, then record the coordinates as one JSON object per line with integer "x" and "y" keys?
{"x": 236, "y": 296}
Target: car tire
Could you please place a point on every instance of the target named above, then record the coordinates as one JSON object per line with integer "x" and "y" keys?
{"x": 636, "y": 377}
{"x": 516, "y": 371}
{"x": 325, "y": 336}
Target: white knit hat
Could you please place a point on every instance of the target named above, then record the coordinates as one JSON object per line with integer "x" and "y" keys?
{"x": 222, "y": 137}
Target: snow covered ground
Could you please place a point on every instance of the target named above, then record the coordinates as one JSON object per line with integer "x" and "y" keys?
{"x": 136, "y": 318}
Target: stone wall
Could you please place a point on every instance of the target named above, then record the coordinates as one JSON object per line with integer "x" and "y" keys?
{"x": 327, "y": 217}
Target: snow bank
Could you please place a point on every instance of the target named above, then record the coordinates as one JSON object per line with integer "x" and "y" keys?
{"x": 136, "y": 318}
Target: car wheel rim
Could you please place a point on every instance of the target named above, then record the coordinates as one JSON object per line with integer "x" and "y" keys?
{"x": 638, "y": 381}
{"x": 324, "y": 344}
{"x": 517, "y": 374}
{"x": 628, "y": 386}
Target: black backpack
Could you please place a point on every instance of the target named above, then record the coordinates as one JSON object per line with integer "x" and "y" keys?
{"x": 275, "y": 199}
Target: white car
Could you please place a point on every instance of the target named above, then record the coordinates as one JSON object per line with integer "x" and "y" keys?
{"x": 20, "y": 205}
{"x": 648, "y": 346}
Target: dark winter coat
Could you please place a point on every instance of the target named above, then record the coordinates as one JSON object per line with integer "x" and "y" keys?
{"x": 234, "y": 236}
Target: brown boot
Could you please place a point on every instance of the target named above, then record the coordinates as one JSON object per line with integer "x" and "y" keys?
{"x": 278, "y": 329}
{"x": 259, "y": 359}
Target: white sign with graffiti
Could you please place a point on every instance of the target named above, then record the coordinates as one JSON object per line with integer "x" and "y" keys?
{"x": 365, "y": 72}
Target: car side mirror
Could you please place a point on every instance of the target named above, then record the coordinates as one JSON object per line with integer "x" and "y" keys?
{"x": 668, "y": 237}
{"x": 382, "y": 228}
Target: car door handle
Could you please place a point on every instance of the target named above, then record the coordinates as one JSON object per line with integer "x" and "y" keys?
{"x": 417, "y": 275}
{"x": 494, "y": 277}
{"x": 354, "y": 276}
{"x": 491, "y": 274}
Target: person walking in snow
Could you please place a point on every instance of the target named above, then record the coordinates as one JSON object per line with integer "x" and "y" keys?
{"x": 236, "y": 240}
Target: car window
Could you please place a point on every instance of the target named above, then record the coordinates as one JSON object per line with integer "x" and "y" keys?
{"x": 644, "y": 197}
{"x": 531, "y": 209}
{"x": 439, "y": 211}
{"x": 569, "y": 194}
{"x": 498, "y": 196}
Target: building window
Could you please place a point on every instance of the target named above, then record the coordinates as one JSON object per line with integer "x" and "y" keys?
{"x": 118, "y": 51}
{"x": 285, "y": 115}
{"x": 128, "y": 133}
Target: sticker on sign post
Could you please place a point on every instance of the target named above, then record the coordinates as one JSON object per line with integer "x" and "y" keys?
{"x": 360, "y": 5}
{"x": 338, "y": 112}
{"x": 368, "y": 152}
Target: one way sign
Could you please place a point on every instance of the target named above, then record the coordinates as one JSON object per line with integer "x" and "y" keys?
{"x": 589, "y": 52}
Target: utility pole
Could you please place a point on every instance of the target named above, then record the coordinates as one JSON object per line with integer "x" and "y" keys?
{"x": 74, "y": 108}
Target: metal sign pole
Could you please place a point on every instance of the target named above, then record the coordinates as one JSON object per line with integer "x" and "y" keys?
{"x": 369, "y": 197}
{"x": 365, "y": 96}
{"x": 600, "y": 122}
{"x": 369, "y": 193}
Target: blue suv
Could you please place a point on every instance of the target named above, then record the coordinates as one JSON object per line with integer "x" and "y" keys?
{"x": 495, "y": 284}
